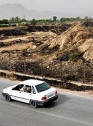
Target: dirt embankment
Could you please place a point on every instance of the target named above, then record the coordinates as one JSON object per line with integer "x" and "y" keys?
{"x": 16, "y": 31}
{"x": 64, "y": 55}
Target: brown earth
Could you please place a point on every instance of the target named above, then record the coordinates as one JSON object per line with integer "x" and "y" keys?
{"x": 73, "y": 46}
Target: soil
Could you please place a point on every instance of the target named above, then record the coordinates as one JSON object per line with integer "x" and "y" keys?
{"x": 73, "y": 46}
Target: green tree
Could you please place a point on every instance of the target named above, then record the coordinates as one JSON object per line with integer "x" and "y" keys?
{"x": 54, "y": 18}
{"x": 23, "y": 20}
{"x": 87, "y": 21}
{"x": 15, "y": 20}
{"x": 62, "y": 19}
{"x": 0, "y": 22}
{"x": 33, "y": 22}
{"x": 4, "y": 21}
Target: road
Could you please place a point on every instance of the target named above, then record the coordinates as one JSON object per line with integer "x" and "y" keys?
{"x": 68, "y": 110}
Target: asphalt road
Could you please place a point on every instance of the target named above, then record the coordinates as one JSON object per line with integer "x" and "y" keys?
{"x": 68, "y": 110}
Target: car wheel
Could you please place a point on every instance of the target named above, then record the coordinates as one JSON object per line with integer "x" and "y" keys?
{"x": 7, "y": 97}
{"x": 33, "y": 104}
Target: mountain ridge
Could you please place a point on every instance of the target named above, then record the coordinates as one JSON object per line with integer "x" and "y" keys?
{"x": 12, "y": 10}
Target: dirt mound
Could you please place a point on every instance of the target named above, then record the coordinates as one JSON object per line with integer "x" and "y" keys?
{"x": 31, "y": 40}
{"x": 78, "y": 37}
{"x": 72, "y": 48}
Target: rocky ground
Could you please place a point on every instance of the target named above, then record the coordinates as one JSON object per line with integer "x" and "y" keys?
{"x": 73, "y": 46}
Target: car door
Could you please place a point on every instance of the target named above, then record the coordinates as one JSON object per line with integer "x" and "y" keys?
{"x": 16, "y": 92}
{"x": 26, "y": 94}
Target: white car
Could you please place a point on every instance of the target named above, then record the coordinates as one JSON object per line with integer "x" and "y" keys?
{"x": 33, "y": 92}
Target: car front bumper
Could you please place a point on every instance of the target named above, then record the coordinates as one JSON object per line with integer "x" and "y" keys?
{"x": 47, "y": 101}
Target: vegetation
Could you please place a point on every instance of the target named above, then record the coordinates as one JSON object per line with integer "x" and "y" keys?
{"x": 33, "y": 22}
{"x": 49, "y": 57}
{"x": 75, "y": 55}
{"x": 54, "y": 18}
{"x": 18, "y": 21}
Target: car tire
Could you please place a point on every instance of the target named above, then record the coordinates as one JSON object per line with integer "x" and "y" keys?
{"x": 33, "y": 104}
{"x": 7, "y": 97}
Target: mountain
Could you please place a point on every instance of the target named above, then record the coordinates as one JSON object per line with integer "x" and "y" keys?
{"x": 13, "y": 10}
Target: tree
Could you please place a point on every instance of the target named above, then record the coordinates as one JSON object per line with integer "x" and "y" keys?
{"x": 12, "y": 20}
{"x": 4, "y": 21}
{"x": 62, "y": 19}
{"x": 78, "y": 18}
{"x": 33, "y": 22}
{"x": 54, "y": 18}
{"x": 23, "y": 20}
{"x": 86, "y": 21}
{"x": 15, "y": 20}
{"x": 0, "y": 22}
{"x": 86, "y": 18}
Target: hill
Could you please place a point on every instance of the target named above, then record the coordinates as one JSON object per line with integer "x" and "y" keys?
{"x": 68, "y": 55}
{"x": 17, "y": 10}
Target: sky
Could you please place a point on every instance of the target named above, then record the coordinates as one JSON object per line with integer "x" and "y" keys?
{"x": 64, "y": 6}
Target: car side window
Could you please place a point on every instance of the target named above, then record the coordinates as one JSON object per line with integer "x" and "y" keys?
{"x": 27, "y": 88}
{"x": 19, "y": 87}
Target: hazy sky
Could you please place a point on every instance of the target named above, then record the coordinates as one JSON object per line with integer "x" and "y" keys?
{"x": 65, "y": 6}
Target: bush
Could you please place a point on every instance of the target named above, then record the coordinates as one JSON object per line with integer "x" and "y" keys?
{"x": 75, "y": 56}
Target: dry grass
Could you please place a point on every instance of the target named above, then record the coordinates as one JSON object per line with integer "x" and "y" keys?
{"x": 15, "y": 39}
{"x": 11, "y": 76}
{"x": 18, "y": 47}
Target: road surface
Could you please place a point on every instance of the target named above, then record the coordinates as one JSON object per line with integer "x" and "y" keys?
{"x": 68, "y": 110}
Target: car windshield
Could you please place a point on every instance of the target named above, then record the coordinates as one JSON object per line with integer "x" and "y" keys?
{"x": 42, "y": 87}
